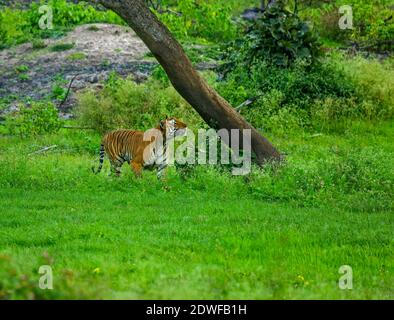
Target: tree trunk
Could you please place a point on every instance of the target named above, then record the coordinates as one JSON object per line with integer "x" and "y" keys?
{"x": 262, "y": 7}
{"x": 215, "y": 110}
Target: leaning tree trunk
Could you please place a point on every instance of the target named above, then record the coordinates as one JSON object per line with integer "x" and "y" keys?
{"x": 215, "y": 110}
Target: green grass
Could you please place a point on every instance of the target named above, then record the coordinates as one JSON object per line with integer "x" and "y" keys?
{"x": 264, "y": 237}
{"x": 62, "y": 47}
{"x": 76, "y": 56}
{"x": 278, "y": 233}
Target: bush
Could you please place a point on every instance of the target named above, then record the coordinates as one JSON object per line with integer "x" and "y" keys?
{"x": 38, "y": 44}
{"x": 325, "y": 96}
{"x": 371, "y": 20}
{"x": 278, "y": 37}
{"x": 374, "y": 83}
{"x": 12, "y": 25}
{"x": 338, "y": 175}
{"x": 38, "y": 119}
{"x": 286, "y": 96}
{"x": 68, "y": 14}
{"x": 125, "y": 104}
{"x": 17, "y": 26}
{"x": 211, "y": 20}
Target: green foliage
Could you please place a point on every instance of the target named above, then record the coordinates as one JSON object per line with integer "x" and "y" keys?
{"x": 62, "y": 47}
{"x": 21, "y": 68}
{"x": 12, "y": 25}
{"x": 125, "y": 104}
{"x": 24, "y": 77}
{"x": 38, "y": 44}
{"x": 278, "y": 36}
{"x": 210, "y": 20}
{"x": 371, "y": 18}
{"x": 37, "y": 119}
{"x": 77, "y": 56}
{"x": 286, "y": 96}
{"x": 324, "y": 96}
{"x": 93, "y": 28}
{"x": 58, "y": 92}
{"x": 374, "y": 83}
{"x": 331, "y": 202}
{"x": 68, "y": 14}
{"x": 160, "y": 75}
{"x": 17, "y": 26}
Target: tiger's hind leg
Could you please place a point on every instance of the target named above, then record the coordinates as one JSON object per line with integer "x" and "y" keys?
{"x": 115, "y": 167}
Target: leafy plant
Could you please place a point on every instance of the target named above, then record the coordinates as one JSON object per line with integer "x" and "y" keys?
{"x": 58, "y": 92}
{"x": 18, "y": 26}
{"x": 76, "y": 56}
{"x": 373, "y": 26}
{"x": 93, "y": 27}
{"x": 126, "y": 104}
{"x": 210, "y": 20}
{"x": 37, "y": 119}
{"x": 38, "y": 44}
{"x": 278, "y": 36}
{"x": 285, "y": 97}
{"x": 62, "y": 47}
{"x": 21, "y": 68}
{"x": 24, "y": 77}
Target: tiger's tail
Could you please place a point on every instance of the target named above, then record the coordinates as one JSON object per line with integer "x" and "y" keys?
{"x": 101, "y": 161}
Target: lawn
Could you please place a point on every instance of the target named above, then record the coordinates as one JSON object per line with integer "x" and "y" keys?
{"x": 203, "y": 236}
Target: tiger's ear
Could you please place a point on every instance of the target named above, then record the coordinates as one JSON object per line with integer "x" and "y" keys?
{"x": 162, "y": 122}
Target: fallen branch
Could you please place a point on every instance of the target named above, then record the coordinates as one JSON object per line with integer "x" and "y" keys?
{"x": 43, "y": 150}
{"x": 316, "y": 135}
{"x": 77, "y": 128}
{"x": 247, "y": 103}
{"x": 68, "y": 91}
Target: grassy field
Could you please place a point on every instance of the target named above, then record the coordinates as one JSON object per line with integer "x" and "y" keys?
{"x": 271, "y": 235}
{"x": 281, "y": 232}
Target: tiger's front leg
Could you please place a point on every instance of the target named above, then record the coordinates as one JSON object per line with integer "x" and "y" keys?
{"x": 161, "y": 171}
{"x": 137, "y": 168}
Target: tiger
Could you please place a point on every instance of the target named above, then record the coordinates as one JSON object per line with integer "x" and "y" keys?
{"x": 130, "y": 146}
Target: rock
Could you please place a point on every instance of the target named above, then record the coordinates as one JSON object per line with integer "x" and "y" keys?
{"x": 251, "y": 14}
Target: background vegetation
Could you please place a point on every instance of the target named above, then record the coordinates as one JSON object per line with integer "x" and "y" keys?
{"x": 280, "y": 232}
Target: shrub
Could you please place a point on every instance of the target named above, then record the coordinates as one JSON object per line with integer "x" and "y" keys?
{"x": 38, "y": 44}
{"x": 278, "y": 37}
{"x": 12, "y": 25}
{"x": 211, "y": 20}
{"x": 37, "y": 119}
{"x": 62, "y": 47}
{"x": 374, "y": 83}
{"x": 286, "y": 96}
{"x": 125, "y": 104}
{"x": 325, "y": 96}
{"x": 68, "y": 14}
{"x": 371, "y": 20}
{"x": 337, "y": 176}
{"x": 77, "y": 56}
{"x": 17, "y": 26}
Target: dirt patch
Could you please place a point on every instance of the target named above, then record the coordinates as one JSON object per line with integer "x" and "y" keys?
{"x": 96, "y": 51}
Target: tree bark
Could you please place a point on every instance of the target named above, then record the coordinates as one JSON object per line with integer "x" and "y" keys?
{"x": 215, "y": 110}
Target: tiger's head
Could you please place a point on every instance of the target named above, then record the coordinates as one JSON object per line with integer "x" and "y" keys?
{"x": 173, "y": 127}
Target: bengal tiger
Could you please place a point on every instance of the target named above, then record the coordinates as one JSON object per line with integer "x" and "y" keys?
{"x": 130, "y": 146}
